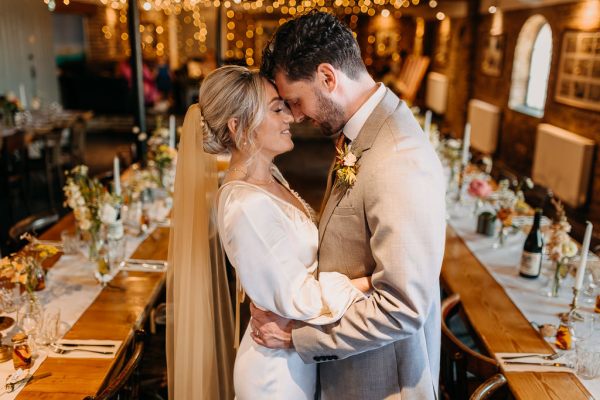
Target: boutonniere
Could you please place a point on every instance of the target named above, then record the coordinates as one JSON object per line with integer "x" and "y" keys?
{"x": 346, "y": 167}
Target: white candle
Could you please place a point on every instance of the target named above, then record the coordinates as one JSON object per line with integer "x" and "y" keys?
{"x": 117, "y": 176}
{"x": 172, "y": 135}
{"x": 585, "y": 246}
{"x": 22, "y": 96}
{"x": 427, "y": 124}
{"x": 466, "y": 144}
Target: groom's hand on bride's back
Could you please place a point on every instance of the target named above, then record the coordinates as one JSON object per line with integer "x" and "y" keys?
{"x": 270, "y": 330}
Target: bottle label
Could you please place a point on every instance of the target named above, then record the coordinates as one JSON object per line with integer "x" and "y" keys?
{"x": 531, "y": 263}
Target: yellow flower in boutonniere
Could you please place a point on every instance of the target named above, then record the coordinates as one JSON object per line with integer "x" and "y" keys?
{"x": 346, "y": 167}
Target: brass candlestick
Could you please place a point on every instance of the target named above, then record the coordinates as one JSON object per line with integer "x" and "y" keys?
{"x": 572, "y": 314}
{"x": 461, "y": 180}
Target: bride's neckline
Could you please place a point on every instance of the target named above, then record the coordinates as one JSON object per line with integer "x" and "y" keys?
{"x": 305, "y": 212}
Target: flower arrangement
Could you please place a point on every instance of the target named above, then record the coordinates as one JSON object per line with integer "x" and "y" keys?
{"x": 9, "y": 105}
{"x": 162, "y": 157}
{"x": 560, "y": 245}
{"x": 480, "y": 189}
{"x": 451, "y": 151}
{"x": 91, "y": 203}
{"x": 346, "y": 167}
{"x": 25, "y": 267}
{"x": 139, "y": 181}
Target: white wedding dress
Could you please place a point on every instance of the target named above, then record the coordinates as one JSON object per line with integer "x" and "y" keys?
{"x": 273, "y": 246}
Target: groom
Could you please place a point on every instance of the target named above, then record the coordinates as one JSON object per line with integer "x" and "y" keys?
{"x": 389, "y": 224}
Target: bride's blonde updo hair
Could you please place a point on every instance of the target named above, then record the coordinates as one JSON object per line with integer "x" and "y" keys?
{"x": 231, "y": 92}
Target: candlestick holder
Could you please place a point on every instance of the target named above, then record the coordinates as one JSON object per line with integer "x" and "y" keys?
{"x": 461, "y": 181}
{"x": 573, "y": 313}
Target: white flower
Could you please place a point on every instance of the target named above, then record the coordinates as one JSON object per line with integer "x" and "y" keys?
{"x": 453, "y": 144}
{"x": 85, "y": 224}
{"x": 108, "y": 214}
{"x": 569, "y": 248}
{"x": 349, "y": 160}
{"x": 163, "y": 132}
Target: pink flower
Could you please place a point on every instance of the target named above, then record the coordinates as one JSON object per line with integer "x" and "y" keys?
{"x": 480, "y": 188}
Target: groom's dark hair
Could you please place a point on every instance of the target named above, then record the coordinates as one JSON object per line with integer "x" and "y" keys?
{"x": 301, "y": 44}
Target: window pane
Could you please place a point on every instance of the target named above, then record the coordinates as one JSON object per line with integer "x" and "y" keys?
{"x": 539, "y": 69}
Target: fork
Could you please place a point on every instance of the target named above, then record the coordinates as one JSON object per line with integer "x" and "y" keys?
{"x": 543, "y": 357}
{"x": 59, "y": 350}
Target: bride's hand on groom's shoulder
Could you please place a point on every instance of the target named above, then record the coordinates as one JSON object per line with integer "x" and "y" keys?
{"x": 270, "y": 330}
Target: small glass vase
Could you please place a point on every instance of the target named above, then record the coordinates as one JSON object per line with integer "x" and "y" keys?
{"x": 30, "y": 313}
{"x": 94, "y": 244}
{"x": 502, "y": 235}
{"x": 557, "y": 278}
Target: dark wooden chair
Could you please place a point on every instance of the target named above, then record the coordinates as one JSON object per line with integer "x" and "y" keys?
{"x": 53, "y": 163}
{"x": 124, "y": 382}
{"x": 14, "y": 171}
{"x": 77, "y": 142}
{"x": 34, "y": 224}
{"x": 489, "y": 387}
{"x": 462, "y": 368}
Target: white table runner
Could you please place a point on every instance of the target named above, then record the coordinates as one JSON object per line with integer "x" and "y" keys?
{"x": 71, "y": 288}
{"x": 502, "y": 263}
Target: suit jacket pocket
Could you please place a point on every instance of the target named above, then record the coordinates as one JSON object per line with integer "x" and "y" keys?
{"x": 344, "y": 211}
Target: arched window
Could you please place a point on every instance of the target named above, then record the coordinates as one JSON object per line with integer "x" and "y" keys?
{"x": 531, "y": 67}
{"x": 541, "y": 56}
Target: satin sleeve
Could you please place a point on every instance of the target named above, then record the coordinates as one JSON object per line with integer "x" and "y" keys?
{"x": 255, "y": 235}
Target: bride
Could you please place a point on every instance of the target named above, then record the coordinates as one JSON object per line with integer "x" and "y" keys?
{"x": 267, "y": 230}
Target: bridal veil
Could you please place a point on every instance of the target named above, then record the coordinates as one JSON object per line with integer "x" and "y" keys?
{"x": 200, "y": 352}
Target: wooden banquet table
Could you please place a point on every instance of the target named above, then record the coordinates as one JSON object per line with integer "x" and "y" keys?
{"x": 500, "y": 325}
{"x": 114, "y": 315}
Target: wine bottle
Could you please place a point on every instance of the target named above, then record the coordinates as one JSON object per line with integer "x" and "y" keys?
{"x": 531, "y": 260}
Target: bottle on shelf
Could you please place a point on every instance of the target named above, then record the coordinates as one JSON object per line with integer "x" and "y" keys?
{"x": 531, "y": 260}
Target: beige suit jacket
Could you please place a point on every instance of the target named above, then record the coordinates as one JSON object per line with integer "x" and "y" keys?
{"x": 391, "y": 225}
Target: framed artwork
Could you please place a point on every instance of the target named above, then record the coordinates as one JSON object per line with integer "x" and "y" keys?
{"x": 493, "y": 55}
{"x": 578, "y": 78}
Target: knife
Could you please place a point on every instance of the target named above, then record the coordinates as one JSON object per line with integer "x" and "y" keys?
{"x": 149, "y": 262}
{"x": 85, "y": 345}
{"x": 543, "y": 364}
{"x": 10, "y": 386}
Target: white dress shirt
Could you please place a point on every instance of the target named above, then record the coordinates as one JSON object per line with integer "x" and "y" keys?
{"x": 358, "y": 119}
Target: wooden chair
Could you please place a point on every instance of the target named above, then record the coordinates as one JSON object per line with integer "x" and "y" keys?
{"x": 34, "y": 224}
{"x": 53, "y": 163}
{"x": 488, "y": 388}
{"x": 411, "y": 76}
{"x": 122, "y": 381}
{"x": 462, "y": 368}
{"x": 14, "y": 171}
{"x": 77, "y": 142}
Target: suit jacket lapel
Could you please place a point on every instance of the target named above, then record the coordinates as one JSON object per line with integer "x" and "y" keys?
{"x": 362, "y": 143}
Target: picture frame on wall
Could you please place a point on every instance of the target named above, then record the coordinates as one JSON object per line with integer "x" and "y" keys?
{"x": 493, "y": 55}
{"x": 578, "y": 77}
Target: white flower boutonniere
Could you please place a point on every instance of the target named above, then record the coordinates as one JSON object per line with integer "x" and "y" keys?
{"x": 346, "y": 167}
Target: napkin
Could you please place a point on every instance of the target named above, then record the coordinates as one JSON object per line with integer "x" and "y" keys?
{"x": 532, "y": 368}
{"x": 7, "y": 368}
{"x": 87, "y": 344}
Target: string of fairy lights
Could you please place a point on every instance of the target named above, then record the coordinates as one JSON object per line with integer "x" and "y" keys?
{"x": 247, "y": 24}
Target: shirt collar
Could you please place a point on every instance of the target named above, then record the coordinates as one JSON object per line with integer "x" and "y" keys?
{"x": 356, "y": 122}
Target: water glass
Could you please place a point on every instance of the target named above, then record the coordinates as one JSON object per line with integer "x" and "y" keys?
{"x": 583, "y": 325}
{"x": 70, "y": 242}
{"x": 587, "y": 364}
{"x": 116, "y": 251}
{"x": 50, "y": 325}
{"x": 10, "y": 295}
